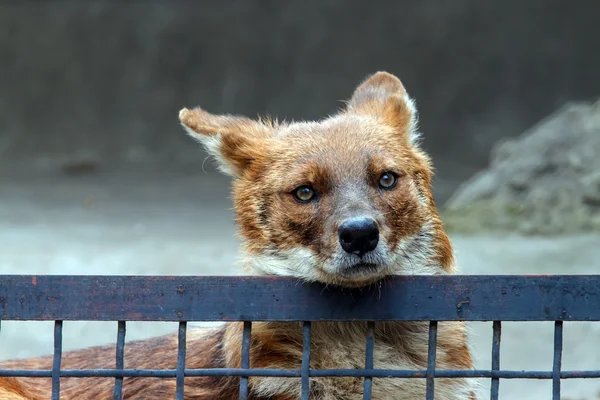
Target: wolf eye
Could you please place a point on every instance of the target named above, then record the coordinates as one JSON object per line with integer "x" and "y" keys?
{"x": 388, "y": 180}
{"x": 303, "y": 194}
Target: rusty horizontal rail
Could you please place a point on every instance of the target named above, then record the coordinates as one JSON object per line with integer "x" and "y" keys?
{"x": 494, "y": 298}
{"x": 229, "y": 298}
{"x": 294, "y": 373}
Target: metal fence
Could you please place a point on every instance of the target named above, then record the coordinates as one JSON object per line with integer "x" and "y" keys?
{"x": 418, "y": 298}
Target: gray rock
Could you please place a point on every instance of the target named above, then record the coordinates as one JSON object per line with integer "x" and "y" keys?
{"x": 545, "y": 181}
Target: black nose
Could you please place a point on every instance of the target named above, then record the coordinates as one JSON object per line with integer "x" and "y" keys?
{"x": 359, "y": 235}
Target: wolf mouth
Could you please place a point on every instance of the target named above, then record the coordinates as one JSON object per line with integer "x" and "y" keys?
{"x": 361, "y": 269}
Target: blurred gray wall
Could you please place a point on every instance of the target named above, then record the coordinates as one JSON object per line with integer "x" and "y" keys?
{"x": 107, "y": 78}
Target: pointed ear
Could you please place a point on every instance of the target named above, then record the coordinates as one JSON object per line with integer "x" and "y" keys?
{"x": 234, "y": 141}
{"x": 383, "y": 96}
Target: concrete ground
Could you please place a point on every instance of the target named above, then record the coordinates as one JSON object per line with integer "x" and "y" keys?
{"x": 178, "y": 222}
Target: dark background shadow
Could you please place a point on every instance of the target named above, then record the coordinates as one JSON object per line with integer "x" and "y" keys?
{"x": 106, "y": 79}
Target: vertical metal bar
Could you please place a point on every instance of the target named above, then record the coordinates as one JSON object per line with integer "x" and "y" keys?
{"x": 57, "y": 360}
{"x": 429, "y": 394}
{"x": 181, "y": 351}
{"x": 245, "y": 358}
{"x": 368, "y": 385}
{"x": 497, "y": 327}
{"x": 558, "y": 347}
{"x": 120, "y": 361}
{"x": 304, "y": 394}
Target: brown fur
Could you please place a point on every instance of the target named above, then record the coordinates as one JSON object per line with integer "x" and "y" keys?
{"x": 342, "y": 159}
